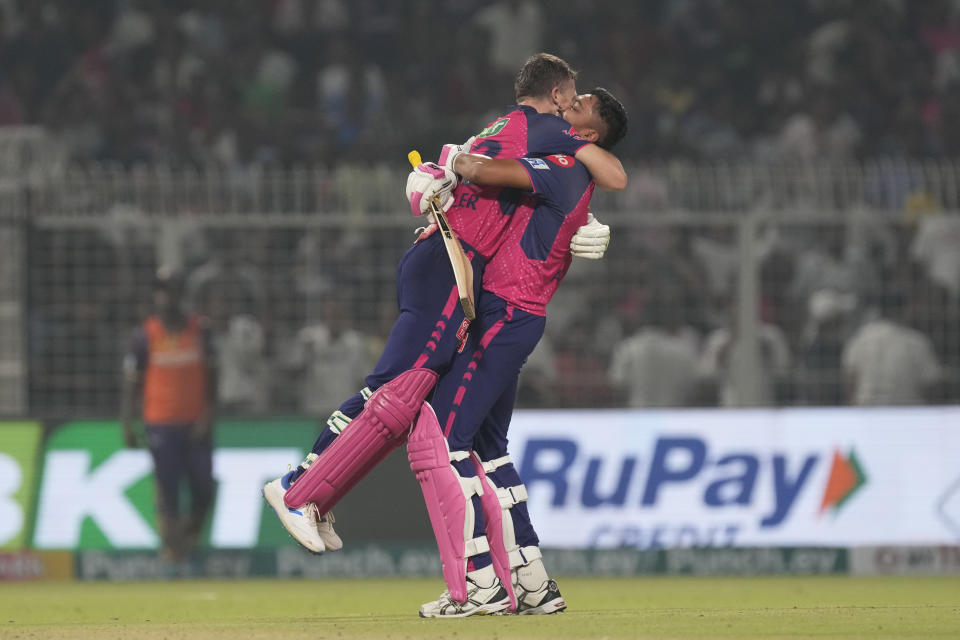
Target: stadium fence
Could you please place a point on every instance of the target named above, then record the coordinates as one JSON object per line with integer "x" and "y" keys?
{"x": 744, "y": 281}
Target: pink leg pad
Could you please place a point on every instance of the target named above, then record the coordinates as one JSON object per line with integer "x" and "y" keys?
{"x": 371, "y": 436}
{"x": 448, "y": 498}
{"x": 493, "y": 525}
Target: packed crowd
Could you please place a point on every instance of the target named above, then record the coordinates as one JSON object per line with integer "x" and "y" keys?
{"x": 851, "y": 313}
{"x": 240, "y": 82}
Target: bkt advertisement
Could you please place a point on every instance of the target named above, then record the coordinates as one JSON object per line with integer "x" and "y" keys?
{"x": 820, "y": 477}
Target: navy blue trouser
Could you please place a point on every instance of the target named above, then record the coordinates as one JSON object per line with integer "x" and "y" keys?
{"x": 431, "y": 326}
{"x": 177, "y": 456}
{"x": 474, "y": 401}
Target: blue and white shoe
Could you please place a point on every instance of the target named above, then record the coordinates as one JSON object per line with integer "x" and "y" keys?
{"x": 481, "y": 601}
{"x": 543, "y": 601}
{"x": 305, "y": 525}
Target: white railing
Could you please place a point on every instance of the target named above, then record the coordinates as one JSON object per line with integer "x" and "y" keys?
{"x": 893, "y": 187}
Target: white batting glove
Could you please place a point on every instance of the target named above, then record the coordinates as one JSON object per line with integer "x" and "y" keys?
{"x": 591, "y": 240}
{"x": 449, "y": 153}
{"x": 428, "y": 181}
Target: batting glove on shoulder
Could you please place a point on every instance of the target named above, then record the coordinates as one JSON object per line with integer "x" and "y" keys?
{"x": 428, "y": 181}
{"x": 450, "y": 152}
{"x": 591, "y": 240}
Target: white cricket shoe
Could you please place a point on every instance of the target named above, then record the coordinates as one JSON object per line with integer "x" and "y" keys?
{"x": 481, "y": 601}
{"x": 301, "y": 524}
{"x": 325, "y": 528}
{"x": 545, "y": 600}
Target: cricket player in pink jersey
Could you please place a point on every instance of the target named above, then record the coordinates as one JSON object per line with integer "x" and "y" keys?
{"x": 431, "y": 327}
{"x": 473, "y": 402}
{"x": 490, "y": 553}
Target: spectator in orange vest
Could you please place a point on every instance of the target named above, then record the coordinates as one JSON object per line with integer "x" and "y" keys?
{"x": 171, "y": 361}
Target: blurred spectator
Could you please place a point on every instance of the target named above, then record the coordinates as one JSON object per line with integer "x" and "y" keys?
{"x": 351, "y": 94}
{"x": 936, "y": 246}
{"x": 229, "y": 290}
{"x": 329, "y": 358}
{"x": 226, "y": 284}
{"x": 828, "y": 264}
{"x": 657, "y": 366}
{"x": 244, "y": 380}
{"x": 829, "y": 315}
{"x": 718, "y": 360}
{"x": 171, "y": 362}
{"x": 515, "y": 28}
{"x": 822, "y": 132}
{"x": 537, "y": 387}
{"x": 580, "y": 368}
{"x": 887, "y": 362}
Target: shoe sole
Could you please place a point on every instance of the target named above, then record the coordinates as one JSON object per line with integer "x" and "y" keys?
{"x": 489, "y": 609}
{"x": 554, "y": 606}
{"x": 545, "y": 610}
{"x": 280, "y": 510}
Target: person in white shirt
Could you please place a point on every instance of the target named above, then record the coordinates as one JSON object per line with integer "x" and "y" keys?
{"x": 331, "y": 339}
{"x": 657, "y": 366}
{"x": 887, "y": 362}
{"x": 719, "y": 352}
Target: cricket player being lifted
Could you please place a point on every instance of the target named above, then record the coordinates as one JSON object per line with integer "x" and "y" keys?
{"x": 469, "y": 414}
{"x": 431, "y": 327}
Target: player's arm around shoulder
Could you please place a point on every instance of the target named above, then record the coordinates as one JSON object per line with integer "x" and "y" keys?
{"x": 500, "y": 172}
{"x": 605, "y": 168}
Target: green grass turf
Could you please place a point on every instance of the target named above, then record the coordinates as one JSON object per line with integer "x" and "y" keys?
{"x": 649, "y": 607}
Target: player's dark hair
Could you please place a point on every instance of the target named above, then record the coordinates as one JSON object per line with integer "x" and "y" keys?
{"x": 540, "y": 74}
{"x": 613, "y": 114}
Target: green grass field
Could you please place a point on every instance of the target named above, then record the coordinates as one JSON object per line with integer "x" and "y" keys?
{"x": 655, "y": 607}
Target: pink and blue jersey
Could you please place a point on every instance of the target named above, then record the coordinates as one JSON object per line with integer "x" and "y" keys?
{"x": 481, "y": 215}
{"x": 534, "y": 255}
{"x": 474, "y": 400}
{"x": 431, "y": 329}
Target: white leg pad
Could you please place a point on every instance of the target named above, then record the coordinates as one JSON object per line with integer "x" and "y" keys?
{"x": 508, "y": 498}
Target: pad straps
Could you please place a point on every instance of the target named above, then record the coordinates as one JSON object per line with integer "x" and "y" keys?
{"x": 524, "y": 555}
{"x": 510, "y": 496}
{"x": 490, "y": 466}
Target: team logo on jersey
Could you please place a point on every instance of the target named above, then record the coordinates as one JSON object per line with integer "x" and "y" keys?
{"x": 537, "y": 163}
{"x": 494, "y": 128}
{"x": 573, "y": 134}
{"x": 562, "y": 160}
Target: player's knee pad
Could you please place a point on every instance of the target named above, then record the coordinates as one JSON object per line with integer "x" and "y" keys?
{"x": 380, "y": 428}
{"x": 449, "y": 499}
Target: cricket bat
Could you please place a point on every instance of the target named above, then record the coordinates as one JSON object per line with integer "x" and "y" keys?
{"x": 462, "y": 269}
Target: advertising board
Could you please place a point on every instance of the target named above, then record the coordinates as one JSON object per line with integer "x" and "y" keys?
{"x": 745, "y": 478}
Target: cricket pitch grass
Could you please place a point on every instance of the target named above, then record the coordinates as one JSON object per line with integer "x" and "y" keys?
{"x": 648, "y": 607}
